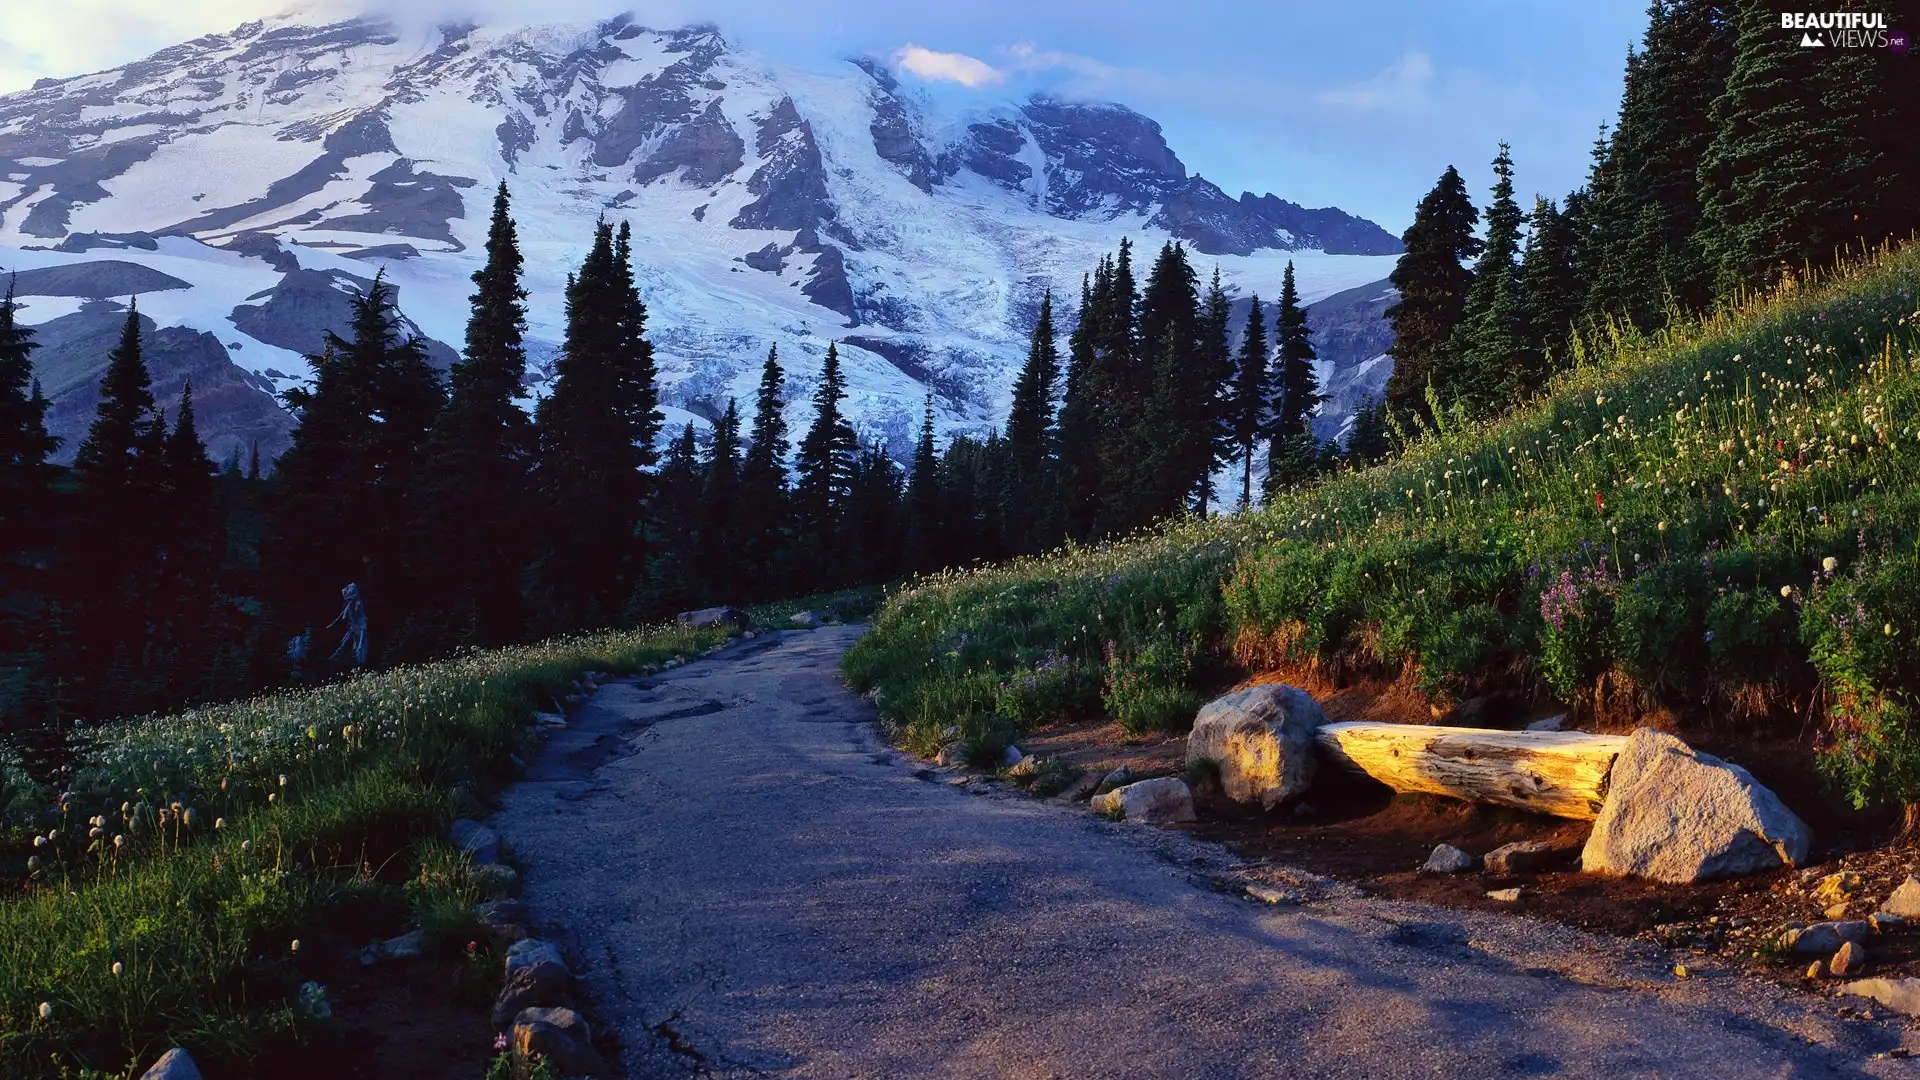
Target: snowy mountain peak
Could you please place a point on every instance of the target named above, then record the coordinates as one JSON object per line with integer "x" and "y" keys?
{"x": 268, "y": 171}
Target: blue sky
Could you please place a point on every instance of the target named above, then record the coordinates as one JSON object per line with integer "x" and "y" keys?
{"x": 1358, "y": 103}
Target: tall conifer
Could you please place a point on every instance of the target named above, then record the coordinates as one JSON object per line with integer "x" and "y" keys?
{"x": 1433, "y": 282}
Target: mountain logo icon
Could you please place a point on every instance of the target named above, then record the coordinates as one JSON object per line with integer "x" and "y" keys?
{"x": 1808, "y": 41}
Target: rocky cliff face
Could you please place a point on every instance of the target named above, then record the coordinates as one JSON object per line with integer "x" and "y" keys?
{"x": 241, "y": 184}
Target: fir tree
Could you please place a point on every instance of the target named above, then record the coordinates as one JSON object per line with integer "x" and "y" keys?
{"x": 596, "y": 433}
{"x": 1162, "y": 460}
{"x": 1076, "y": 489}
{"x": 669, "y": 579}
{"x": 1433, "y": 283}
{"x": 824, "y": 469}
{"x": 1367, "y": 442}
{"x": 24, "y": 442}
{"x": 1800, "y": 163}
{"x": 1214, "y": 382}
{"x": 925, "y": 536}
{"x": 870, "y": 527}
{"x": 479, "y": 485}
{"x": 194, "y": 543}
{"x": 1249, "y": 418}
{"x": 1551, "y": 286}
{"x": 1030, "y": 423}
{"x": 763, "y": 481}
{"x": 1489, "y": 346}
{"x": 718, "y": 552}
{"x": 1294, "y": 390}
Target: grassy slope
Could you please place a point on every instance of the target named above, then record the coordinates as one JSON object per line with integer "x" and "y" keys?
{"x": 326, "y": 801}
{"x": 1652, "y": 533}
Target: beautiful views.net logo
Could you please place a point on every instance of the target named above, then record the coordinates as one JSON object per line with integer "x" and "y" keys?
{"x": 1844, "y": 29}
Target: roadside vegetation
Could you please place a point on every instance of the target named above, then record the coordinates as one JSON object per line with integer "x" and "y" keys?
{"x": 179, "y": 885}
{"x": 1717, "y": 520}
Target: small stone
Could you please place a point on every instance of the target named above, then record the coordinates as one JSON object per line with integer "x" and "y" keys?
{"x": 1905, "y": 901}
{"x": 1026, "y": 766}
{"x": 1836, "y": 889}
{"x": 1837, "y": 911}
{"x": 1900, "y": 995}
{"x": 542, "y": 983}
{"x": 476, "y": 840}
{"x": 1526, "y": 857}
{"x": 1680, "y": 971}
{"x": 1267, "y": 894}
{"x": 1824, "y": 938}
{"x": 1551, "y": 723}
{"x": 805, "y": 620}
{"x": 548, "y": 719}
{"x": 1850, "y": 960}
{"x": 1119, "y": 777}
{"x": 405, "y": 947}
{"x": 709, "y": 618}
{"x": 496, "y": 881}
{"x": 559, "y": 1035}
{"x": 1447, "y": 859}
{"x": 1815, "y": 970}
{"x": 1081, "y": 788}
{"x": 1163, "y": 800}
{"x": 952, "y": 755}
{"x": 532, "y": 951}
{"x": 1505, "y": 896}
{"x": 175, "y": 1064}
{"x": 1011, "y": 756}
{"x": 1884, "y": 923}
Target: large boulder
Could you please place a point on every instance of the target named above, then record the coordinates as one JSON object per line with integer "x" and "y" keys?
{"x": 1160, "y": 801}
{"x": 1900, "y": 995}
{"x": 1905, "y": 901}
{"x": 709, "y": 618}
{"x": 1261, "y": 740}
{"x": 559, "y": 1035}
{"x": 1676, "y": 815}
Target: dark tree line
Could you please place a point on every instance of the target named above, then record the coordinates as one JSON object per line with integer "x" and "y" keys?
{"x": 1739, "y": 158}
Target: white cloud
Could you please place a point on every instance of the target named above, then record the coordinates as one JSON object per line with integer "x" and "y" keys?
{"x": 1026, "y": 56}
{"x": 40, "y": 40}
{"x": 1401, "y": 86}
{"x": 969, "y": 71}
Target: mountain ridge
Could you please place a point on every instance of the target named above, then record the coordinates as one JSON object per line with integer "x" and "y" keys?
{"x": 285, "y": 160}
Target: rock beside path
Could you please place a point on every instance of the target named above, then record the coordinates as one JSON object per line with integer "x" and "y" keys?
{"x": 1905, "y": 901}
{"x": 559, "y": 1035}
{"x": 1527, "y": 857}
{"x": 1261, "y": 741}
{"x": 175, "y": 1064}
{"x": 1825, "y": 938}
{"x": 405, "y": 947}
{"x": 709, "y": 618}
{"x": 1447, "y": 859}
{"x": 476, "y": 840}
{"x": 1676, "y": 815}
{"x": 1900, "y": 995}
{"x": 1161, "y": 801}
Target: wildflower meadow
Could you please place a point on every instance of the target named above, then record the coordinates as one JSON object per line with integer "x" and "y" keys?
{"x": 1720, "y": 521}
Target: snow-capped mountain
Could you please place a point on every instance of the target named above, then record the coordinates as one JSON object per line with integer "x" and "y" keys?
{"x": 240, "y": 183}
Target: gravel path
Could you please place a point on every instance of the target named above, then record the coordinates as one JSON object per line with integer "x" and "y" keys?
{"x": 751, "y": 883}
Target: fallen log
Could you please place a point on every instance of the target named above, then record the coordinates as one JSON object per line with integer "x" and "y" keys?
{"x": 1562, "y": 773}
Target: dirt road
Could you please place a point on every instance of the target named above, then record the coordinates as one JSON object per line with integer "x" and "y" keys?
{"x": 752, "y": 883}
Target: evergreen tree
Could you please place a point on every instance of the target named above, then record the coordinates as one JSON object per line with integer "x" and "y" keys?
{"x": 479, "y": 485}
{"x": 194, "y": 544}
{"x": 1076, "y": 489}
{"x": 596, "y": 433}
{"x": 1121, "y": 385}
{"x": 347, "y": 509}
{"x": 718, "y": 552}
{"x": 1801, "y": 162}
{"x": 1489, "y": 346}
{"x": 870, "y": 528}
{"x": 1162, "y": 460}
{"x": 824, "y": 468}
{"x": 669, "y": 581}
{"x": 1214, "y": 382}
{"x": 925, "y": 536}
{"x": 1030, "y": 423}
{"x": 1647, "y": 255}
{"x": 24, "y": 442}
{"x": 1433, "y": 283}
{"x": 1367, "y": 442}
{"x": 1294, "y": 390}
{"x": 1249, "y": 419}
{"x": 1551, "y": 287}
{"x": 763, "y": 482}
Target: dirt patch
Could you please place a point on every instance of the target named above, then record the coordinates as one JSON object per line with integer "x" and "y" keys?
{"x": 1355, "y": 830}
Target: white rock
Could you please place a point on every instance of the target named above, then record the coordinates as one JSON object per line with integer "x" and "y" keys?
{"x": 1825, "y": 938}
{"x": 805, "y": 620}
{"x": 1447, "y": 859}
{"x": 1505, "y": 896}
{"x": 1905, "y": 901}
{"x": 547, "y": 719}
{"x": 1676, "y": 815}
{"x": 1261, "y": 740}
{"x": 1160, "y": 801}
{"x": 1551, "y": 723}
{"x": 175, "y": 1064}
{"x": 1900, "y": 995}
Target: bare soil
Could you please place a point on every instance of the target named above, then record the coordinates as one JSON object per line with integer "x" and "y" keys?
{"x": 1357, "y": 831}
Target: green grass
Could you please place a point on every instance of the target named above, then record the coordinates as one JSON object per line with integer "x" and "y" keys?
{"x": 194, "y": 850}
{"x": 1653, "y": 532}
